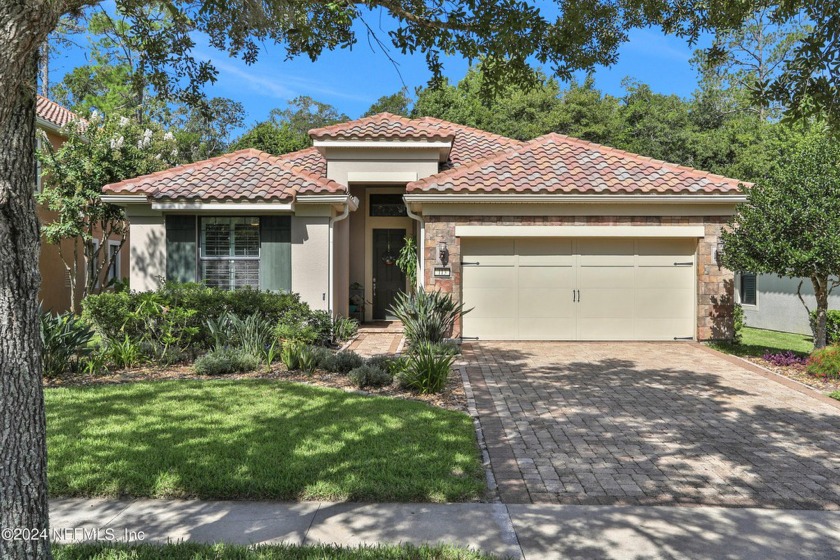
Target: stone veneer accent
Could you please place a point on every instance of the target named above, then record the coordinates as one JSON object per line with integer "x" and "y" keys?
{"x": 715, "y": 293}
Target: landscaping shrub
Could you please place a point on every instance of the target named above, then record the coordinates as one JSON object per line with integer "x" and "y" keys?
{"x": 825, "y": 362}
{"x": 344, "y": 362}
{"x": 426, "y": 370}
{"x": 739, "y": 323}
{"x": 307, "y": 359}
{"x": 177, "y": 315}
{"x": 370, "y": 376}
{"x": 784, "y": 358}
{"x": 381, "y": 361}
{"x": 290, "y": 354}
{"x": 324, "y": 358}
{"x": 427, "y": 316}
{"x": 65, "y": 342}
{"x": 124, "y": 353}
{"x": 254, "y": 334}
{"x": 225, "y": 361}
{"x": 295, "y": 330}
{"x": 344, "y": 328}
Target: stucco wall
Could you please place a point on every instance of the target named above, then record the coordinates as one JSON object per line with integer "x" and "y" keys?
{"x": 341, "y": 267}
{"x": 147, "y": 252}
{"x": 778, "y": 307}
{"x": 342, "y": 162}
{"x": 715, "y": 285}
{"x": 310, "y": 259}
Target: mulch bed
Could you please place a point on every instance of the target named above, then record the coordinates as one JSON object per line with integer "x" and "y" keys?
{"x": 797, "y": 373}
{"x": 453, "y": 396}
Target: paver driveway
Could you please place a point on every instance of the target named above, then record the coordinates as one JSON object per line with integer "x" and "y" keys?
{"x": 649, "y": 423}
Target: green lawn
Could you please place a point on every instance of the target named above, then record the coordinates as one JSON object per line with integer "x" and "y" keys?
{"x": 256, "y": 439}
{"x": 835, "y": 395}
{"x": 755, "y": 342}
{"x": 192, "y": 551}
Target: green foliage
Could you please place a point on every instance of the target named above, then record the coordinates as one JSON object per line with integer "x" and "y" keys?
{"x": 345, "y": 361}
{"x": 832, "y": 325}
{"x": 427, "y": 369}
{"x": 270, "y": 138}
{"x": 738, "y": 320}
{"x": 66, "y": 340}
{"x": 407, "y": 260}
{"x": 427, "y": 316}
{"x": 226, "y": 361}
{"x": 290, "y": 354}
{"x": 344, "y": 328}
{"x": 397, "y": 104}
{"x": 324, "y": 358}
{"x": 381, "y": 361}
{"x": 254, "y": 334}
{"x": 825, "y": 362}
{"x": 370, "y": 376}
{"x": 124, "y": 352}
{"x": 106, "y": 150}
{"x": 307, "y": 359}
{"x": 192, "y": 318}
{"x": 203, "y": 131}
{"x": 790, "y": 224}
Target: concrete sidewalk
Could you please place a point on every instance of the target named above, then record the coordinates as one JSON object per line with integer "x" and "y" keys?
{"x": 515, "y": 531}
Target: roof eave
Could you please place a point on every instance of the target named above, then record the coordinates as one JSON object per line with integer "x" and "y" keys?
{"x": 536, "y": 198}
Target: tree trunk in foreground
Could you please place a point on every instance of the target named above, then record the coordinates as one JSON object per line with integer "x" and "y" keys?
{"x": 24, "y": 25}
{"x": 819, "y": 322}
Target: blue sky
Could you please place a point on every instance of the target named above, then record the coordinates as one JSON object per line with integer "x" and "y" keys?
{"x": 353, "y": 79}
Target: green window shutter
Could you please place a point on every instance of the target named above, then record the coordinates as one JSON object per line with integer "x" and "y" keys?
{"x": 180, "y": 249}
{"x": 276, "y": 253}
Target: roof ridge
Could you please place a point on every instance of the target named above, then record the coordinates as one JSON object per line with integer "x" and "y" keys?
{"x": 639, "y": 157}
{"x": 471, "y": 128}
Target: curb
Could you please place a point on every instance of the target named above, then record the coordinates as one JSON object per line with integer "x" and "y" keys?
{"x": 472, "y": 410}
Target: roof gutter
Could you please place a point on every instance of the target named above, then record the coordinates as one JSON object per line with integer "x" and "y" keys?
{"x": 571, "y": 198}
{"x": 122, "y": 199}
{"x": 352, "y": 203}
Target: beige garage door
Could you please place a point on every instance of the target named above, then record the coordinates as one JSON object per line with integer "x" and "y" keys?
{"x": 578, "y": 289}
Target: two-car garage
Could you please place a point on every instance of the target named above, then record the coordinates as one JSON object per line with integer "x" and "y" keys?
{"x": 579, "y": 288}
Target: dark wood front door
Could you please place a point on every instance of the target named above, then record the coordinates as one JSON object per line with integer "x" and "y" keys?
{"x": 388, "y": 279}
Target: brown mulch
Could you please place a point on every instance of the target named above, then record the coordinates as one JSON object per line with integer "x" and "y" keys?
{"x": 453, "y": 396}
{"x": 797, "y": 373}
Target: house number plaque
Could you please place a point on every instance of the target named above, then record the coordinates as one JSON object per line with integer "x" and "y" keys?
{"x": 443, "y": 272}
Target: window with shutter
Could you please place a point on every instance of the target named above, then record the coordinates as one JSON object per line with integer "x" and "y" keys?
{"x": 230, "y": 252}
{"x": 748, "y": 288}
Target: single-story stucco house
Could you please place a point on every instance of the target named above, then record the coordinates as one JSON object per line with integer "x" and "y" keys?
{"x": 551, "y": 239}
{"x": 772, "y": 302}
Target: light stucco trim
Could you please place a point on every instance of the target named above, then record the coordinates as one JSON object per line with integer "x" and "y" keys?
{"x": 367, "y": 144}
{"x": 125, "y": 198}
{"x": 223, "y": 206}
{"x": 381, "y": 176}
{"x": 579, "y": 231}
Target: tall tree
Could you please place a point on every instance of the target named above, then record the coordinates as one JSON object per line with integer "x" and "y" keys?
{"x": 106, "y": 150}
{"x": 790, "y": 224}
{"x": 303, "y": 114}
{"x": 398, "y": 103}
{"x": 203, "y": 131}
{"x": 272, "y": 138}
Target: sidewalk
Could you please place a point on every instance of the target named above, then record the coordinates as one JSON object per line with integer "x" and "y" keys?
{"x": 516, "y": 531}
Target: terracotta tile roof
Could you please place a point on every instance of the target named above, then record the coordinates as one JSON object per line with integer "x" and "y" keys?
{"x": 471, "y": 144}
{"x": 309, "y": 159}
{"x": 559, "y": 164}
{"x": 54, "y": 113}
{"x": 246, "y": 175}
{"x": 383, "y": 126}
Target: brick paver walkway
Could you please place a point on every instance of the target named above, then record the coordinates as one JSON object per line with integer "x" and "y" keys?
{"x": 382, "y": 337}
{"x": 649, "y": 423}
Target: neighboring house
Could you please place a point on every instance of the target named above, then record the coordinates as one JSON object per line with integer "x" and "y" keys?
{"x": 51, "y": 118}
{"x": 555, "y": 238}
{"x": 771, "y": 302}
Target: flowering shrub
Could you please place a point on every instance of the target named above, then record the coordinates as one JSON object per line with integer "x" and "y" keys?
{"x": 784, "y": 358}
{"x": 825, "y": 362}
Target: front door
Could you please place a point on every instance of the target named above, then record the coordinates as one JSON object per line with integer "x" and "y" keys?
{"x": 388, "y": 279}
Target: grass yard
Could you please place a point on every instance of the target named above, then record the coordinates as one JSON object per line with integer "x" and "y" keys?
{"x": 256, "y": 439}
{"x": 755, "y": 342}
{"x": 192, "y": 551}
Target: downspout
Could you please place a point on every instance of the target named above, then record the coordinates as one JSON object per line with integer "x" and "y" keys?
{"x": 330, "y": 264}
{"x": 421, "y": 246}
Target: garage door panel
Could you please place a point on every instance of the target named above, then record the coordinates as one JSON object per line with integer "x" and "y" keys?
{"x": 489, "y": 277}
{"x": 630, "y": 289}
{"x": 605, "y": 277}
{"x": 545, "y": 329}
{"x": 671, "y": 303}
{"x": 661, "y": 276}
{"x": 612, "y": 328}
{"x": 616, "y": 302}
